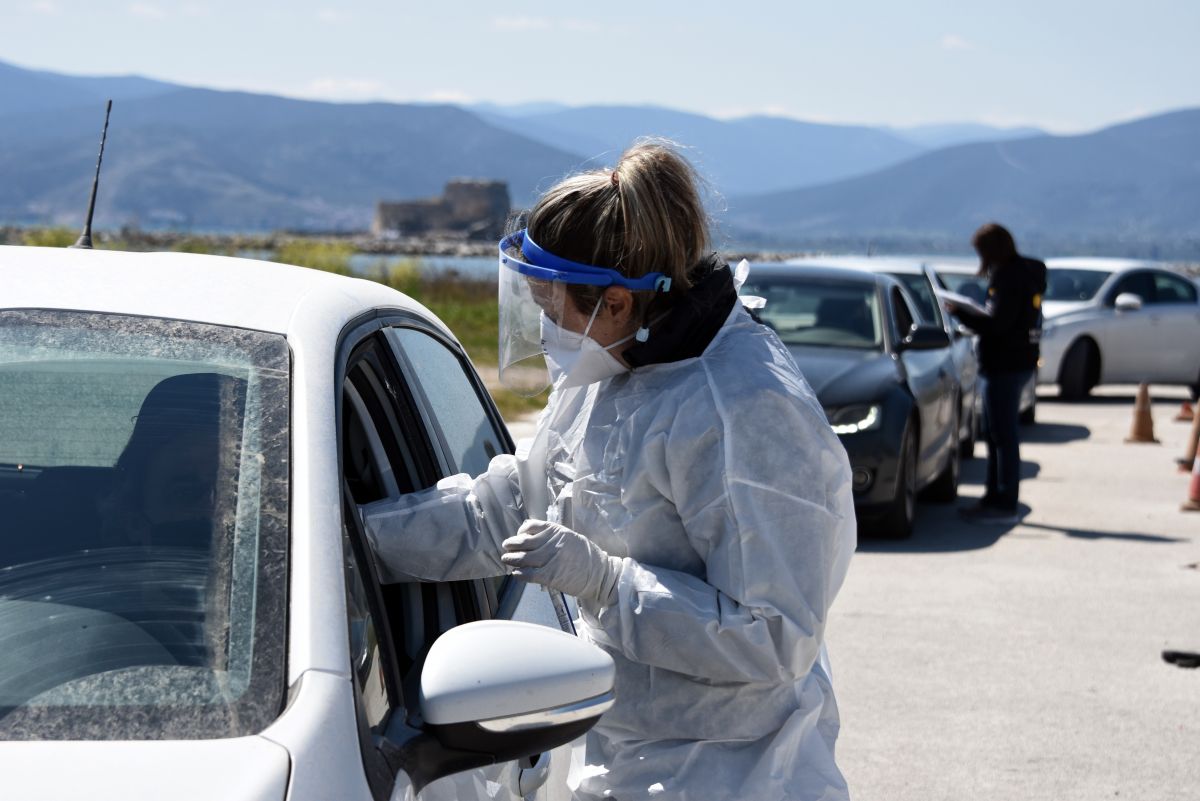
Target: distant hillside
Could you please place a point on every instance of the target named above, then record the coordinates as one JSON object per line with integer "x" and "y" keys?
{"x": 947, "y": 135}
{"x": 1135, "y": 183}
{"x": 23, "y": 91}
{"x": 198, "y": 159}
{"x": 751, "y": 154}
{"x": 227, "y": 160}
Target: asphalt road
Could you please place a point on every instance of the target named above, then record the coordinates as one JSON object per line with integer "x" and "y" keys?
{"x": 988, "y": 662}
{"x": 977, "y": 662}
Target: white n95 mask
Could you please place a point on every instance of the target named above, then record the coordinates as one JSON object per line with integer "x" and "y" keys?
{"x": 576, "y": 359}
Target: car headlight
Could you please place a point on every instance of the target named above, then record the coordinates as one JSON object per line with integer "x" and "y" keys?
{"x": 853, "y": 419}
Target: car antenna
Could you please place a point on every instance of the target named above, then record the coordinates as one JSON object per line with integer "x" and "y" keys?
{"x": 85, "y": 239}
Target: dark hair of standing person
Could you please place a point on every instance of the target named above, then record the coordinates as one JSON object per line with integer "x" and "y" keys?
{"x": 994, "y": 244}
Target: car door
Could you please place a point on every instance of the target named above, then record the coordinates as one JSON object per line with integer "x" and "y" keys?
{"x": 467, "y": 432}
{"x": 392, "y": 443}
{"x": 1175, "y": 312}
{"x": 962, "y": 352}
{"x": 381, "y": 649}
{"x": 1127, "y": 339}
{"x": 931, "y": 379}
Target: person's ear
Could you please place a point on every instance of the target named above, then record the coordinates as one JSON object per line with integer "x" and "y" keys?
{"x": 618, "y": 302}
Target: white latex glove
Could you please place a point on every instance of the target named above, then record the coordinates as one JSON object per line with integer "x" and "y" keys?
{"x": 564, "y": 560}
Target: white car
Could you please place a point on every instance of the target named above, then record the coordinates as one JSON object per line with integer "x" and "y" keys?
{"x": 962, "y": 276}
{"x": 188, "y": 607}
{"x": 1111, "y": 321}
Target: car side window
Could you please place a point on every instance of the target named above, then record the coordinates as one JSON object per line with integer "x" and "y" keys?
{"x": 904, "y": 316}
{"x": 921, "y": 290}
{"x": 467, "y": 431}
{"x": 366, "y": 476}
{"x": 1139, "y": 283}
{"x": 470, "y": 433}
{"x": 1173, "y": 289}
{"x": 407, "y": 454}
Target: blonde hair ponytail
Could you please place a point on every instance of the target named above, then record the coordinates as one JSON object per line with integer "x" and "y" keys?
{"x": 643, "y": 216}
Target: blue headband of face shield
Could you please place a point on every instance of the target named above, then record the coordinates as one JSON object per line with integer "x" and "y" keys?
{"x": 545, "y": 266}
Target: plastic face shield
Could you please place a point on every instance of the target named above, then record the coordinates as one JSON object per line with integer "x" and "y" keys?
{"x": 532, "y": 282}
{"x": 522, "y": 301}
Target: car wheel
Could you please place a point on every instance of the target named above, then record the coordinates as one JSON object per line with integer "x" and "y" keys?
{"x": 1079, "y": 371}
{"x": 897, "y": 521}
{"x": 944, "y": 488}
{"x": 1029, "y": 416}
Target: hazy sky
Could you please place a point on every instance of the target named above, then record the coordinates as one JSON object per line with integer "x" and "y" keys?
{"x": 1066, "y": 65}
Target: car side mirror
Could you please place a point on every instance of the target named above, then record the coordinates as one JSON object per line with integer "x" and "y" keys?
{"x": 498, "y": 690}
{"x": 925, "y": 337}
{"x": 1128, "y": 302}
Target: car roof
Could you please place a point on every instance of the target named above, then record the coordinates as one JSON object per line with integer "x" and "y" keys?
{"x": 820, "y": 271}
{"x": 910, "y": 265}
{"x": 956, "y": 266}
{"x": 1098, "y": 263}
{"x": 223, "y": 290}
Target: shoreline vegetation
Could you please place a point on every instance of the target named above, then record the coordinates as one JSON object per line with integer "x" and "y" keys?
{"x": 465, "y": 303}
{"x": 359, "y": 243}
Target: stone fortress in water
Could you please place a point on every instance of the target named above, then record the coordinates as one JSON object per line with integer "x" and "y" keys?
{"x": 472, "y": 209}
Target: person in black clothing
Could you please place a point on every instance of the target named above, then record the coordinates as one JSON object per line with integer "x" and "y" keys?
{"x": 1008, "y": 355}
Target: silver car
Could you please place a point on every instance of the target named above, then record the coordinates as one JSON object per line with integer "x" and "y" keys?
{"x": 1111, "y": 321}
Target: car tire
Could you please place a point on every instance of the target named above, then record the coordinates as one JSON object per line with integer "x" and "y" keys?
{"x": 897, "y": 522}
{"x": 1029, "y": 416}
{"x": 944, "y": 488}
{"x": 1079, "y": 371}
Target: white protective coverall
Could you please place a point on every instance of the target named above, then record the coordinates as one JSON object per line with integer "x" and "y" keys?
{"x": 720, "y": 484}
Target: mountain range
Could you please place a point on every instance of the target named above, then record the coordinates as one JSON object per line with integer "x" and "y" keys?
{"x": 201, "y": 159}
{"x": 1135, "y": 186}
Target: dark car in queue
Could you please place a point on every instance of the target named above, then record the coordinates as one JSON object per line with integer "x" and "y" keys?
{"x": 916, "y": 276}
{"x": 887, "y": 383}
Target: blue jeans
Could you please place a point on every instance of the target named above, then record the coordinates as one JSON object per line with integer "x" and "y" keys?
{"x": 1001, "y": 421}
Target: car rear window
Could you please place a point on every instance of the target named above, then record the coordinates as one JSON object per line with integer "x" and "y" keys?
{"x": 1069, "y": 285}
{"x": 144, "y": 489}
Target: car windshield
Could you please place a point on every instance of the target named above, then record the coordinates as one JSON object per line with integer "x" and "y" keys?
{"x": 1066, "y": 284}
{"x": 825, "y": 313}
{"x": 144, "y": 491}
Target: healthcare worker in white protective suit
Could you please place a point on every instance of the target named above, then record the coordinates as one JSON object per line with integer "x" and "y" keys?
{"x": 684, "y": 486}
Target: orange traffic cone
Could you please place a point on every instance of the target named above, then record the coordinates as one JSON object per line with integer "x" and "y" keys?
{"x": 1192, "y": 504}
{"x": 1193, "y": 440}
{"x": 1143, "y": 423}
{"x": 1186, "y": 413}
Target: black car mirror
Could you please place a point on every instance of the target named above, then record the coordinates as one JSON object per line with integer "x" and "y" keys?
{"x": 925, "y": 337}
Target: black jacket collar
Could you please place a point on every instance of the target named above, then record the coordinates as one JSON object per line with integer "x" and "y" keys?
{"x": 693, "y": 320}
